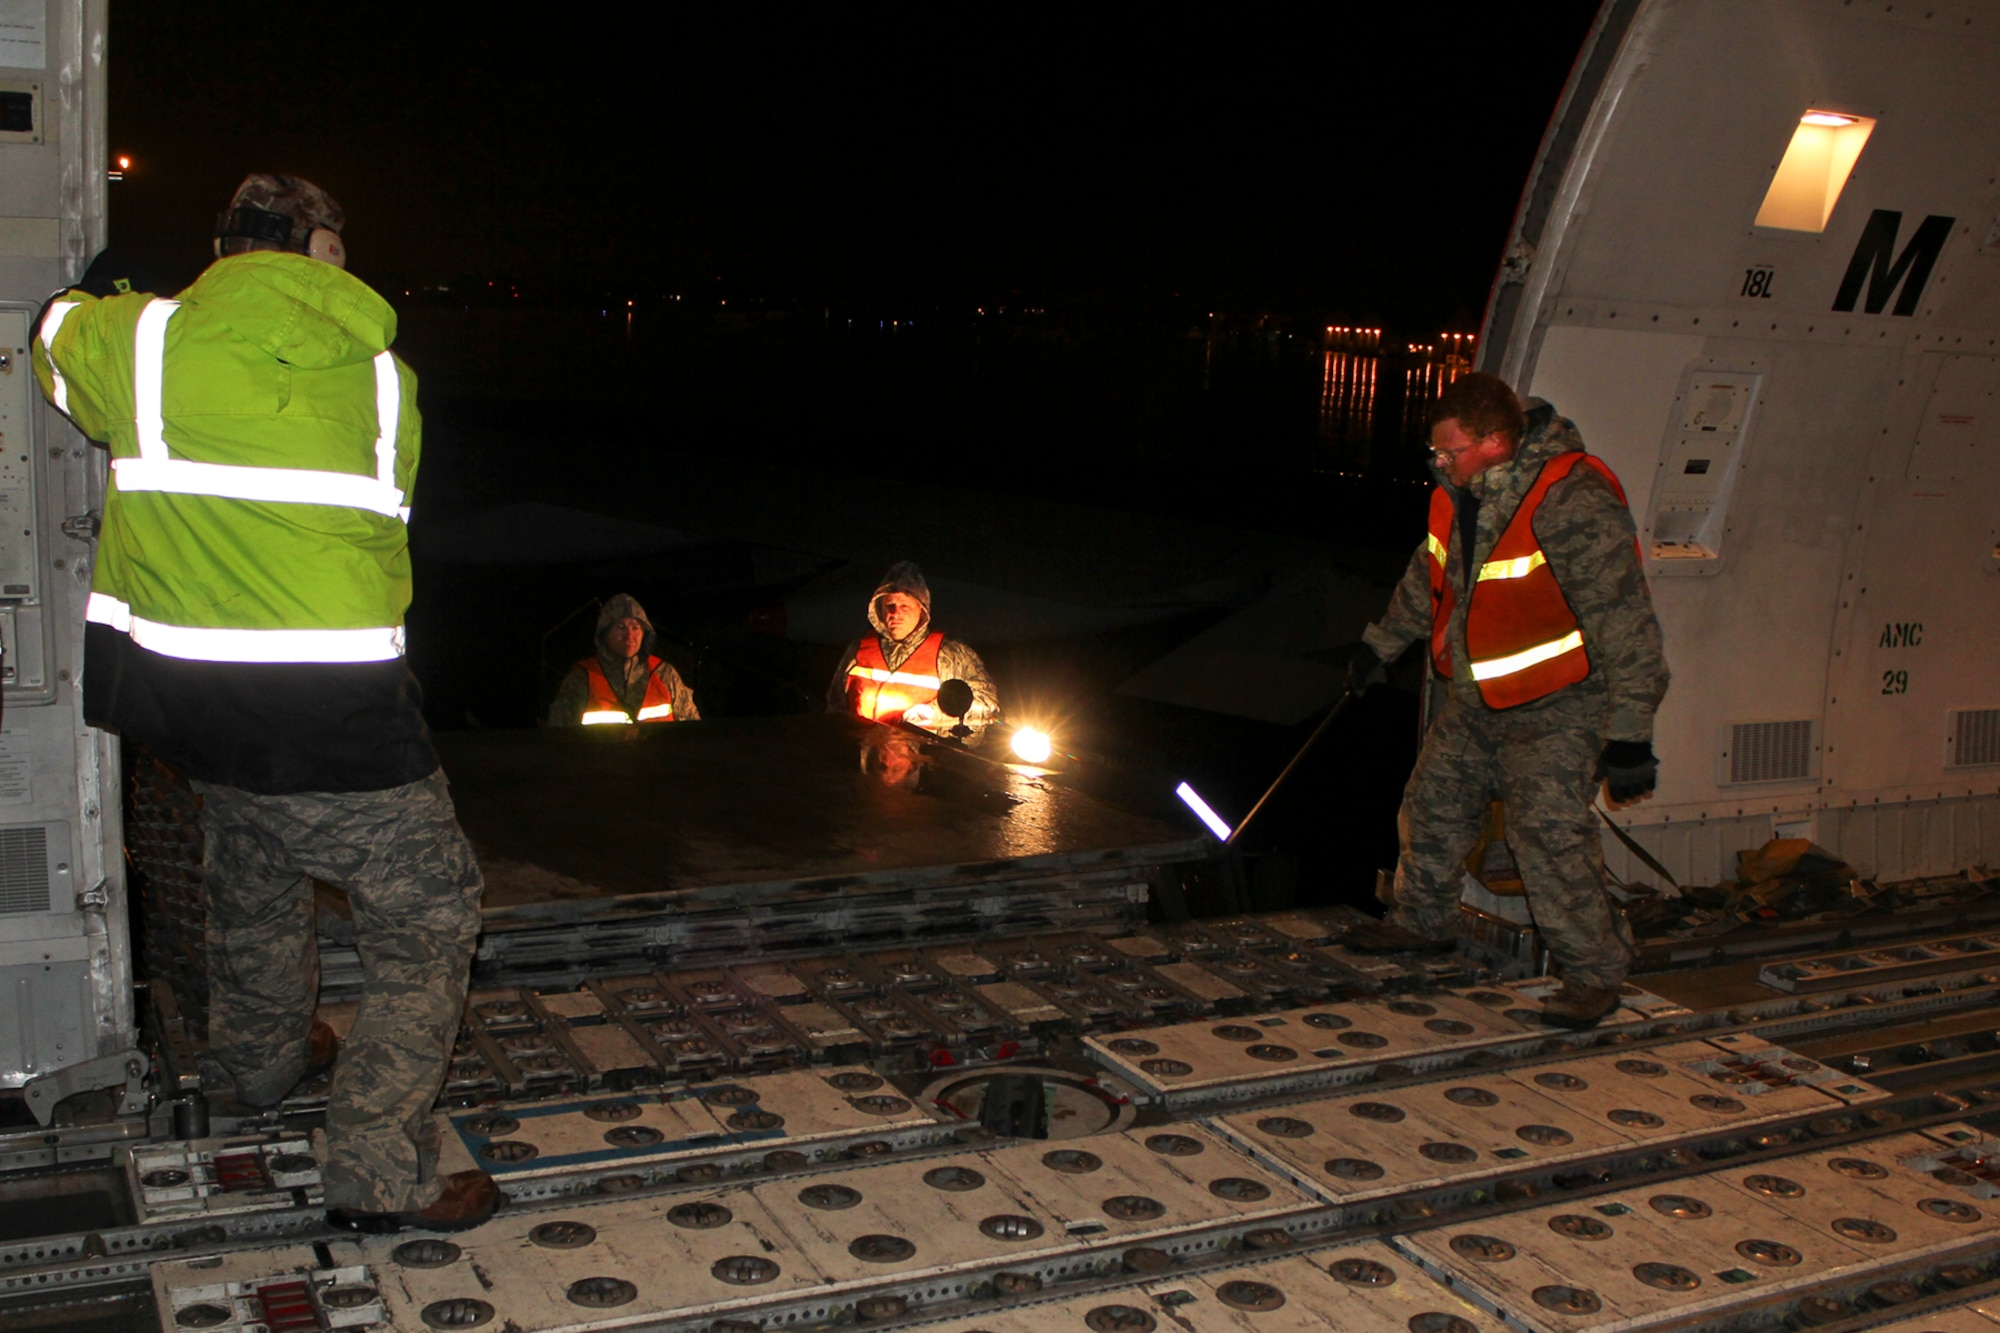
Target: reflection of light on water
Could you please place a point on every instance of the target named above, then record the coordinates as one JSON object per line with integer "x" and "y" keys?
{"x": 1033, "y": 826}
{"x": 1432, "y": 366}
{"x": 1347, "y": 406}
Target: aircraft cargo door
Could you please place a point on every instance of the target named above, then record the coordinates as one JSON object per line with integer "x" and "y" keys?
{"x": 1758, "y": 263}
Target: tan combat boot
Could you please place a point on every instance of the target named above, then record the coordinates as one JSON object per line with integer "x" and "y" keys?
{"x": 1578, "y": 1006}
{"x": 470, "y": 1198}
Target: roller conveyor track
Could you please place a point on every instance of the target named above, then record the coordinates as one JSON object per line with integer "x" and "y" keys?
{"x": 1245, "y": 1193}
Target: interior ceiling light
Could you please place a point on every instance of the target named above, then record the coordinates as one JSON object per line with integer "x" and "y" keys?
{"x": 1824, "y": 148}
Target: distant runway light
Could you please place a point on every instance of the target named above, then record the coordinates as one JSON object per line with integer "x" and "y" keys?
{"x": 1200, "y": 807}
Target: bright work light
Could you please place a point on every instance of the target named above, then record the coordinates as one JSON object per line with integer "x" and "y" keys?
{"x": 1032, "y": 745}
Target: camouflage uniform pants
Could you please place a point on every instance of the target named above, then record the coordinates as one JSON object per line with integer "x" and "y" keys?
{"x": 415, "y": 889}
{"x": 1543, "y": 763}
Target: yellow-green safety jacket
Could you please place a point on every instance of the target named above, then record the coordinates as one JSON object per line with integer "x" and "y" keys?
{"x": 263, "y": 445}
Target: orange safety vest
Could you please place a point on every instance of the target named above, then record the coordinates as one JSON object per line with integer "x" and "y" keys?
{"x": 881, "y": 695}
{"x": 1522, "y": 635}
{"x": 604, "y": 709}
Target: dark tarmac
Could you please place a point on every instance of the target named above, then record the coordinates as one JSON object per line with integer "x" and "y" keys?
{"x": 1156, "y": 542}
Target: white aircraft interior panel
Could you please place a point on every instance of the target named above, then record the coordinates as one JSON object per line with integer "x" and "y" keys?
{"x": 1750, "y": 643}
{"x": 58, "y": 1029}
{"x": 1674, "y": 189}
{"x": 20, "y": 554}
{"x": 64, "y": 952}
{"x": 1918, "y": 669}
{"x": 1958, "y": 435}
{"x": 1618, "y": 386}
{"x": 24, "y": 659}
{"x": 1625, "y": 390}
{"x": 1682, "y": 529}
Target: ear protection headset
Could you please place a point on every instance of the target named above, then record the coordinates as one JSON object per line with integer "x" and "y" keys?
{"x": 250, "y": 223}
{"x": 326, "y": 246}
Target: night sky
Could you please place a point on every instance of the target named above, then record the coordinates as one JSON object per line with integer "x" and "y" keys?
{"x": 1331, "y": 157}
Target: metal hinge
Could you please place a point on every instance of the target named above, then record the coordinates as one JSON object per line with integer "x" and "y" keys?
{"x": 106, "y": 1071}
{"x": 83, "y": 527}
{"x": 96, "y": 898}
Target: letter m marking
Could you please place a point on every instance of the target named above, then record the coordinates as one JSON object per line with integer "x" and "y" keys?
{"x": 1911, "y": 269}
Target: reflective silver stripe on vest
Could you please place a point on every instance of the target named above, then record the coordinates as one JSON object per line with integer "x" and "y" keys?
{"x": 613, "y": 716}
{"x": 1495, "y": 667}
{"x": 1517, "y": 568}
{"x": 156, "y": 470}
{"x": 52, "y": 324}
{"x": 895, "y": 677}
{"x": 207, "y": 644}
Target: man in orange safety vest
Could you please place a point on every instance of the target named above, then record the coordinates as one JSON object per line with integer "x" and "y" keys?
{"x": 624, "y": 683}
{"x": 893, "y": 674}
{"x": 1530, "y": 596}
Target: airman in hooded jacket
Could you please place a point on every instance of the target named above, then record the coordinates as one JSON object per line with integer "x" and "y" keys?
{"x": 894, "y": 674}
{"x": 624, "y": 682}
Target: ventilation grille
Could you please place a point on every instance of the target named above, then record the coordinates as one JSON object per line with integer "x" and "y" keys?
{"x": 1770, "y": 751}
{"x": 24, "y": 870}
{"x": 1975, "y": 738}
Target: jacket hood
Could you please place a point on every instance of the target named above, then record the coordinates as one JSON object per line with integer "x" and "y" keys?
{"x": 1546, "y": 435}
{"x": 299, "y": 310}
{"x": 903, "y": 576}
{"x": 622, "y": 607}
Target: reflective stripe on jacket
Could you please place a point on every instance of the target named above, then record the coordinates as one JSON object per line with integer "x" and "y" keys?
{"x": 605, "y": 708}
{"x": 1437, "y": 542}
{"x": 264, "y": 443}
{"x": 1522, "y": 636}
{"x": 881, "y": 695}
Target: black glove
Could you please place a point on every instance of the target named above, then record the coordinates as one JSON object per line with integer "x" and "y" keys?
{"x": 1628, "y": 769}
{"x": 1364, "y": 669}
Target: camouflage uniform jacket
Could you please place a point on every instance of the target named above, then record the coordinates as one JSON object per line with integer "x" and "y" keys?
{"x": 1589, "y": 539}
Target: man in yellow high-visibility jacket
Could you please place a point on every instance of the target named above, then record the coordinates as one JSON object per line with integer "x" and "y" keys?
{"x": 245, "y": 623}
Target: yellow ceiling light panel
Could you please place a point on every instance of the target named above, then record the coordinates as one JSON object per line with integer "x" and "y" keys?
{"x": 1817, "y": 163}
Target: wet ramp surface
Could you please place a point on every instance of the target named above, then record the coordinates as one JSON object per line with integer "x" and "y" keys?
{"x": 595, "y": 821}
